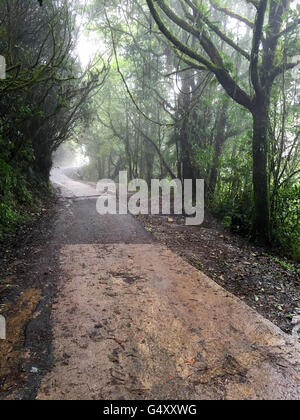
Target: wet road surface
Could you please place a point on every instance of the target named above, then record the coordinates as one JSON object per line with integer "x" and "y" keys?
{"x": 132, "y": 320}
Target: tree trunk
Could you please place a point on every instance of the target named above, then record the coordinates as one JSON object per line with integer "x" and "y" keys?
{"x": 128, "y": 149}
{"x": 213, "y": 177}
{"x": 219, "y": 141}
{"x": 261, "y": 223}
{"x": 185, "y": 132}
{"x": 187, "y": 170}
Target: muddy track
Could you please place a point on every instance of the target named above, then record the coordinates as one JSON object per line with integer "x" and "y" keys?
{"x": 132, "y": 320}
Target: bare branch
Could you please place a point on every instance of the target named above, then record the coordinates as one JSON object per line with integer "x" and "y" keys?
{"x": 232, "y": 14}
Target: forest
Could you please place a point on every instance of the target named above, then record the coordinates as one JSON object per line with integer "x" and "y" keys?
{"x": 177, "y": 89}
{"x": 120, "y": 122}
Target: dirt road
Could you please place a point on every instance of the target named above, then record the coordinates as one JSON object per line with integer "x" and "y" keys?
{"x": 132, "y": 320}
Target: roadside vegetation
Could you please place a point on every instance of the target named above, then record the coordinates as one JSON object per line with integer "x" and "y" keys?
{"x": 205, "y": 90}
{"x": 42, "y": 98}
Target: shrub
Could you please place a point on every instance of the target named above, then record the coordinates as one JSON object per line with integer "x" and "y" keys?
{"x": 286, "y": 216}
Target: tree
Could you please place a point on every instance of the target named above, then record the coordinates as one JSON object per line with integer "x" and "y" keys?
{"x": 265, "y": 61}
{"x": 43, "y": 97}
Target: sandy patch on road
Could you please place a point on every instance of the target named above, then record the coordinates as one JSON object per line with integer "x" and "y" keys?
{"x": 137, "y": 322}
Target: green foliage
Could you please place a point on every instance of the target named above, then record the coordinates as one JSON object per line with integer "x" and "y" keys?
{"x": 16, "y": 202}
{"x": 287, "y": 220}
{"x": 286, "y": 265}
{"x": 9, "y": 218}
{"x": 6, "y": 179}
{"x": 204, "y": 157}
{"x": 235, "y": 215}
{"x": 43, "y": 96}
{"x": 167, "y": 117}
